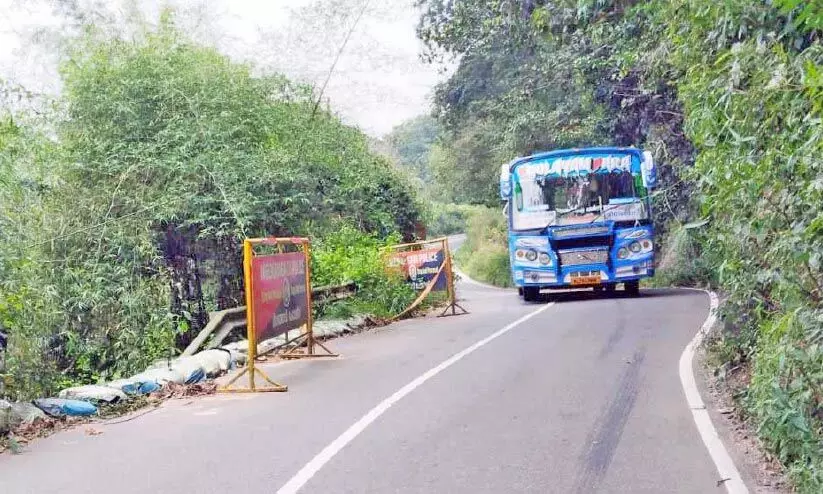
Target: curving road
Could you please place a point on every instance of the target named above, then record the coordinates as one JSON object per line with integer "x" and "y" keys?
{"x": 579, "y": 396}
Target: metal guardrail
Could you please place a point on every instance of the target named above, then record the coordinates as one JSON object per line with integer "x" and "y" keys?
{"x": 223, "y": 322}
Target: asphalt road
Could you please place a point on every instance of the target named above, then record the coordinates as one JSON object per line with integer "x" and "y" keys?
{"x": 582, "y": 397}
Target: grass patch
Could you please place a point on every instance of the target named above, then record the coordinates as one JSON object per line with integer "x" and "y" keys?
{"x": 485, "y": 255}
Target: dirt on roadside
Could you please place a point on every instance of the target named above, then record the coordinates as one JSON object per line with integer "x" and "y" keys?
{"x": 22, "y": 435}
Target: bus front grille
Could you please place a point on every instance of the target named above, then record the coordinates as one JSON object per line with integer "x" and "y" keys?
{"x": 576, "y": 231}
{"x": 580, "y": 257}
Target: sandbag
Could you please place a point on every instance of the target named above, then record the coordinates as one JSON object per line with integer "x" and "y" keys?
{"x": 132, "y": 386}
{"x": 59, "y": 407}
{"x": 160, "y": 376}
{"x": 196, "y": 376}
{"x": 161, "y": 364}
{"x": 128, "y": 386}
{"x": 148, "y": 387}
{"x": 214, "y": 362}
{"x": 14, "y": 414}
{"x": 224, "y": 357}
{"x": 135, "y": 385}
{"x": 236, "y": 358}
{"x": 93, "y": 393}
{"x": 190, "y": 368}
{"x": 25, "y": 413}
{"x": 241, "y": 346}
{"x": 267, "y": 346}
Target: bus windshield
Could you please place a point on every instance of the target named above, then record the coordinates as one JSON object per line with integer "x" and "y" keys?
{"x": 546, "y": 195}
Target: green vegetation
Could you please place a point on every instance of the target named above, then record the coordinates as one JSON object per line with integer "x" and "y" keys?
{"x": 122, "y": 209}
{"x": 349, "y": 255}
{"x": 410, "y": 144}
{"x": 485, "y": 254}
{"x": 681, "y": 263}
{"x": 728, "y": 96}
{"x": 449, "y": 219}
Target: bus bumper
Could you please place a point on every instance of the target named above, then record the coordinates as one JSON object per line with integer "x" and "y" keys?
{"x": 588, "y": 277}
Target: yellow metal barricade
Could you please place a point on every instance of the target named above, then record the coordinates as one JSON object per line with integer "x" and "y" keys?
{"x": 403, "y": 256}
{"x": 278, "y": 299}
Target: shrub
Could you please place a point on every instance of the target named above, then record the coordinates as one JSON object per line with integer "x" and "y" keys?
{"x": 444, "y": 219}
{"x": 785, "y": 394}
{"x": 350, "y": 255}
{"x": 485, "y": 254}
{"x": 490, "y": 264}
{"x": 682, "y": 262}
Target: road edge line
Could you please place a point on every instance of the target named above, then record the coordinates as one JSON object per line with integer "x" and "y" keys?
{"x": 295, "y": 483}
{"x": 729, "y": 474}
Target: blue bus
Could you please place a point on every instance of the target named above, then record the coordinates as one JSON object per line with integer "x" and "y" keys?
{"x": 580, "y": 218}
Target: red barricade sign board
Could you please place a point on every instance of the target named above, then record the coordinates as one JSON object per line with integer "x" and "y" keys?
{"x": 278, "y": 293}
{"x": 420, "y": 267}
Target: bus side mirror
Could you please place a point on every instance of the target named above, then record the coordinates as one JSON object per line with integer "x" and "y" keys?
{"x": 648, "y": 170}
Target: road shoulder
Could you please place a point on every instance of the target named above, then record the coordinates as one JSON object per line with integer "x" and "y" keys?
{"x": 761, "y": 475}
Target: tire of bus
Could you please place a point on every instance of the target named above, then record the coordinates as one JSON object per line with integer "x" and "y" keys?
{"x": 531, "y": 293}
{"x": 632, "y": 288}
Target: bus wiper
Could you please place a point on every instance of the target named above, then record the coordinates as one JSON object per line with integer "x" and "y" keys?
{"x": 603, "y": 213}
{"x": 566, "y": 213}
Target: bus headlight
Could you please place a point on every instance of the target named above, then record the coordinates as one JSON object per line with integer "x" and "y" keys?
{"x": 531, "y": 255}
{"x": 623, "y": 253}
{"x": 635, "y": 247}
{"x": 545, "y": 259}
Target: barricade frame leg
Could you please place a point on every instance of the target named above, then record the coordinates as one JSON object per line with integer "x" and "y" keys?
{"x": 453, "y": 305}
{"x": 307, "y": 336}
{"x": 251, "y": 369}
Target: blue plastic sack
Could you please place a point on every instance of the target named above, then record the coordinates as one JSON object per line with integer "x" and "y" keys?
{"x": 58, "y": 407}
{"x": 131, "y": 388}
{"x": 128, "y": 386}
{"x": 148, "y": 387}
{"x": 190, "y": 368}
{"x": 160, "y": 376}
{"x": 135, "y": 386}
{"x": 196, "y": 376}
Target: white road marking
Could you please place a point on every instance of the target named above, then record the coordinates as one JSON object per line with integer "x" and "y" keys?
{"x": 720, "y": 456}
{"x": 312, "y": 467}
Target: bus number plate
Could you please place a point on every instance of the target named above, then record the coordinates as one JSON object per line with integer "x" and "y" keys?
{"x": 584, "y": 278}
